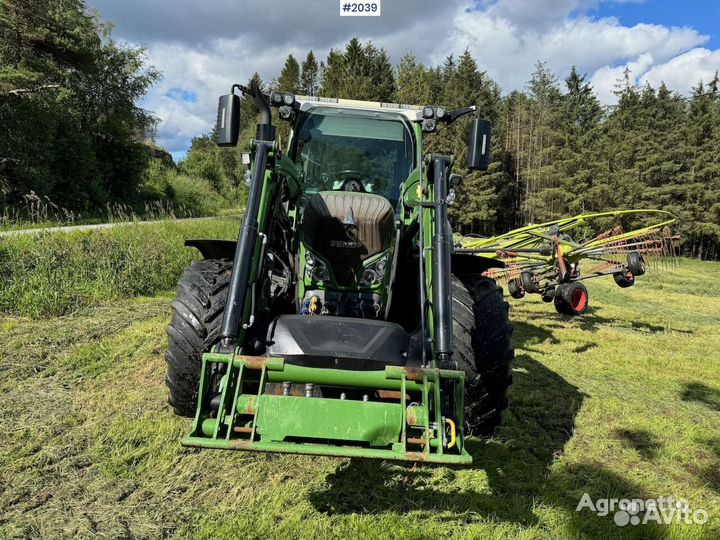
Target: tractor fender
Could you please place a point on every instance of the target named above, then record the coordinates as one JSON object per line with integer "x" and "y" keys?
{"x": 214, "y": 249}
{"x": 467, "y": 264}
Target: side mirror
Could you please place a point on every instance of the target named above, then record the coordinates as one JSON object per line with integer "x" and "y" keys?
{"x": 478, "y": 158}
{"x": 227, "y": 128}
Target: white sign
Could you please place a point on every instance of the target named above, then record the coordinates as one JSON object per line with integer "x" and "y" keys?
{"x": 360, "y": 9}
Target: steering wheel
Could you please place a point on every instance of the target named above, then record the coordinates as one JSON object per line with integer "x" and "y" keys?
{"x": 353, "y": 180}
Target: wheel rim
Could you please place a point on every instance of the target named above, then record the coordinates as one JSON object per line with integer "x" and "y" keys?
{"x": 578, "y": 301}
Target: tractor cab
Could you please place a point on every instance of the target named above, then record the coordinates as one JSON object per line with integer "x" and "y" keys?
{"x": 353, "y": 160}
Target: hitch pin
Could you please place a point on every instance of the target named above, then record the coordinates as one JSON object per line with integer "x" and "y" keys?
{"x": 453, "y": 432}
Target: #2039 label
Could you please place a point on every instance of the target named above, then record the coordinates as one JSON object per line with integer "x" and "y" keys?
{"x": 359, "y": 9}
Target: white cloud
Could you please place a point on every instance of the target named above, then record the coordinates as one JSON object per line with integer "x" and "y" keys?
{"x": 533, "y": 17}
{"x": 685, "y": 71}
{"x": 276, "y": 23}
{"x": 509, "y": 54}
{"x": 207, "y": 73}
{"x": 203, "y": 48}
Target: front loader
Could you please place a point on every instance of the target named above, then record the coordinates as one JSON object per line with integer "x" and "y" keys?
{"x": 341, "y": 322}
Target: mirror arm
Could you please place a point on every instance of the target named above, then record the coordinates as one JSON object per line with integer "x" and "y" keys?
{"x": 457, "y": 113}
{"x": 243, "y": 89}
{"x": 261, "y": 100}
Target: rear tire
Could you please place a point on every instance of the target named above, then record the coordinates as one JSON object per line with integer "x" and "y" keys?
{"x": 515, "y": 289}
{"x": 548, "y": 295}
{"x": 571, "y": 299}
{"x": 483, "y": 350}
{"x": 624, "y": 280}
{"x": 197, "y": 314}
{"x": 636, "y": 263}
{"x": 528, "y": 283}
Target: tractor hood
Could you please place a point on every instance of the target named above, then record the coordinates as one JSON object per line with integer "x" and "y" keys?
{"x": 346, "y": 228}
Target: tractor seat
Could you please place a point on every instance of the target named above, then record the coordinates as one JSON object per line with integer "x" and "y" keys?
{"x": 338, "y": 342}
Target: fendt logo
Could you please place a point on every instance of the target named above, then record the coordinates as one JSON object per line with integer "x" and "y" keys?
{"x": 349, "y": 218}
{"x": 352, "y": 241}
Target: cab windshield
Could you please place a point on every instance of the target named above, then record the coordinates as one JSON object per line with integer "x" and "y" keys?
{"x": 349, "y": 150}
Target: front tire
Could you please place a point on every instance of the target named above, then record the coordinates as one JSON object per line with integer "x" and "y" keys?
{"x": 483, "y": 350}
{"x": 197, "y": 314}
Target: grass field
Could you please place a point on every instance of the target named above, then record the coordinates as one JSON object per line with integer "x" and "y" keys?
{"x": 55, "y": 273}
{"x": 622, "y": 403}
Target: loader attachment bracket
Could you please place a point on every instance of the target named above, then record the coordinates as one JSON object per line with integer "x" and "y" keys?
{"x": 396, "y": 413}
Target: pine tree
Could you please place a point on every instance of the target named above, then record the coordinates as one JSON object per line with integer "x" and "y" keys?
{"x": 702, "y": 232}
{"x": 289, "y": 80}
{"x": 416, "y": 85}
{"x": 581, "y": 108}
{"x": 310, "y": 77}
{"x": 448, "y": 68}
{"x": 248, "y": 112}
{"x": 577, "y": 161}
{"x": 382, "y": 74}
{"x": 544, "y": 197}
{"x": 43, "y": 41}
{"x": 359, "y": 72}
{"x": 515, "y": 123}
{"x": 478, "y": 198}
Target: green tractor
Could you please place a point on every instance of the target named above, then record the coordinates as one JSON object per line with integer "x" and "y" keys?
{"x": 342, "y": 322}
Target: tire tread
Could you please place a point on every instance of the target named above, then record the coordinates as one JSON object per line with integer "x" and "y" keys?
{"x": 194, "y": 326}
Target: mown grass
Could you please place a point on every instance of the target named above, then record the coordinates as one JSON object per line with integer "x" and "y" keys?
{"x": 53, "y": 273}
{"x": 624, "y": 402}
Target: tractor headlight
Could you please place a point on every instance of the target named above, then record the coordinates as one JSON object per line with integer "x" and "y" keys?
{"x": 278, "y": 98}
{"x": 429, "y": 125}
{"x": 320, "y": 273}
{"x": 285, "y": 112}
{"x": 369, "y": 277}
{"x": 315, "y": 269}
{"x": 374, "y": 272}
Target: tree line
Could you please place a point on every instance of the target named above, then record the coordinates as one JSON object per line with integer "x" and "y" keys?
{"x": 71, "y": 130}
{"x": 557, "y": 151}
{"x": 73, "y": 139}
{"x": 70, "y": 127}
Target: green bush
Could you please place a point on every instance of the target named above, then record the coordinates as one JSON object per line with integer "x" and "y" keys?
{"x": 48, "y": 274}
{"x": 196, "y": 195}
{"x": 190, "y": 196}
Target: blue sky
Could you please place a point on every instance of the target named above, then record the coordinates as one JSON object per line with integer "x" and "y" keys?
{"x": 202, "y": 50}
{"x": 180, "y": 94}
{"x": 703, "y": 15}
